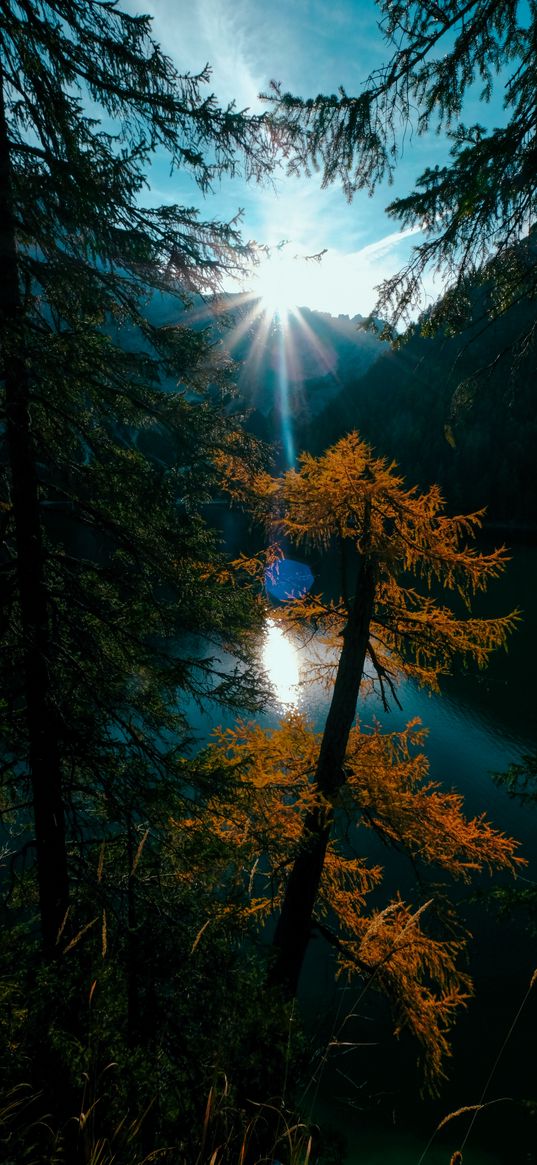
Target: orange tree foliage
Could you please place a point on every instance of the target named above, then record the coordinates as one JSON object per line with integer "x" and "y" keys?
{"x": 399, "y": 551}
{"x": 267, "y": 789}
{"x": 349, "y": 498}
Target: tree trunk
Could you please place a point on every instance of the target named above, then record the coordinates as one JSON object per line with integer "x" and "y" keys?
{"x": 44, "y": 760}
{"x": 294, "y": 924}
{"x": 133, "y": 994}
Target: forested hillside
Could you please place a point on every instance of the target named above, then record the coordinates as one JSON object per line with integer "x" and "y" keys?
{"x": 440, "y": 404}
{"x": 311, "y": 355}
{"x": 448, "y": 412}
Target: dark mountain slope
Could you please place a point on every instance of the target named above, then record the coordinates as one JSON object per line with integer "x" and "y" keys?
{"x": 459, "y": 410}
{"x": 456, "y": 409}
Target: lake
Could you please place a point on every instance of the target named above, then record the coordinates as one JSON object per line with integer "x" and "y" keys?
{"x": 479, "y": 724}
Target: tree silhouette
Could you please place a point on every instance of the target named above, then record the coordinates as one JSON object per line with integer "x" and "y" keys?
{"x": 103, "y": 536}
{"x": 474, "y": 209}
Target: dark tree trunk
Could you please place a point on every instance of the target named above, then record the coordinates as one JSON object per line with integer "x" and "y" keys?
{"x": 133, "y": 994}
{"x": 294, "y": 925}
{"x": 44, "y": 761}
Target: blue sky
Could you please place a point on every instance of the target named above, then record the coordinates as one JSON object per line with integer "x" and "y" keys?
{"x": 310, "y": 46}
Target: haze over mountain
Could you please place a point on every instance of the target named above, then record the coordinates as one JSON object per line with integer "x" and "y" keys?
{"x": 311, "y": 354}
{"x": 307, "y": 377}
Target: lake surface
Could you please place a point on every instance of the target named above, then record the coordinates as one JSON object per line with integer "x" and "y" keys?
{"x": 479, "y": 724}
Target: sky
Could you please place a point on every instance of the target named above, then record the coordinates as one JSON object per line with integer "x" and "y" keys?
{"x": 310, "y": 46}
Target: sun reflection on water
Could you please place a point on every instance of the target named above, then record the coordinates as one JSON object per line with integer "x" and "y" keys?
{"x": 280, "y": 660}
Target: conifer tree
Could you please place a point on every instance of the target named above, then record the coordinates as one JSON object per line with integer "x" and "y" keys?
{"x": 385, "y": 532}
{"x": 476, "y": 208}
{"x": 265, "y": 796}
{"x": 112, "y": 423}
{"x": 383, "y": 626}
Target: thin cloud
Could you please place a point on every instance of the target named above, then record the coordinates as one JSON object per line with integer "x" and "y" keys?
{"x": 212, "y": 32}
{"x": 386, "y": 244}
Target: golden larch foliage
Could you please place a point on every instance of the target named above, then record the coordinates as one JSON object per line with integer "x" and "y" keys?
{"x": 408, "y": 572}
{"x": 358, "y": 502}
{"x": 253, "y": 828}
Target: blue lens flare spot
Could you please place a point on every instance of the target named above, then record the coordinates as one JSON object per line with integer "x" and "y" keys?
{"x": 287, "y": 579}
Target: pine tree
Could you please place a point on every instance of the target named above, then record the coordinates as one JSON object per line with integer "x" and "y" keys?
{"x": 476, "y": 209}
{"x": 112, "y": 424}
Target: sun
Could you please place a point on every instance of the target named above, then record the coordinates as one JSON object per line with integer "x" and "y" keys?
{"x": 277, "y": 282}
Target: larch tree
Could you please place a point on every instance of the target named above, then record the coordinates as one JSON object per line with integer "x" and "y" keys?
{"x": 401, "y": 555}
{"x": 477, "y": 210}
{"x": 263, "y": 801}
{"x": 111, "y": 423}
